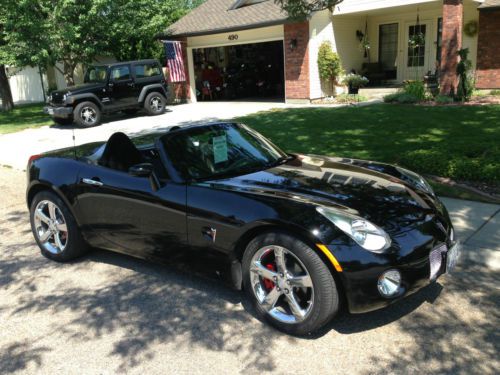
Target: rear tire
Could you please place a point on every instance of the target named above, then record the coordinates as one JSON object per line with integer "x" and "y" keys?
{"x": 155, "y": 104}
{"x": 87, "y": 114}
{"x": 55, "y": 229}
{"x": 298, "y": 298}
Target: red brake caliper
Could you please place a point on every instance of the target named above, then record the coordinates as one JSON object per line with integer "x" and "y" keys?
{"x": 269, "y": 284}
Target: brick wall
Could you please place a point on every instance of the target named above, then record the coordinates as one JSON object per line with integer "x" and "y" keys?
{"x": 297, "y": 61}
{"x": 488, "y": 50}
{"x": 452, "y": 41}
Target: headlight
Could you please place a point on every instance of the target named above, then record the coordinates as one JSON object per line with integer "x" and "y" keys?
{"x": 49, "y": 98}
{"x": 65, "y": 96}
{"x": 367, "y": 235}
{"x": 416, "y": 180}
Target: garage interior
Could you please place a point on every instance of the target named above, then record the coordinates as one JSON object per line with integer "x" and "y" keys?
{"x": 244, "y": 72}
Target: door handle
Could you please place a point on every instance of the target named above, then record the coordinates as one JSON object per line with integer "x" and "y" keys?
{"x": 92, "y": 182}
{"x": 131, "y": 84}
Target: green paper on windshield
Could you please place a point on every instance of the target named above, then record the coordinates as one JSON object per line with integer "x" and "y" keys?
{"x": 220, "y": 149}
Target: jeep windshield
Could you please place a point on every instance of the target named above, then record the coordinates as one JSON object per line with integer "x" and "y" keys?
{"x": 96, "y": 74}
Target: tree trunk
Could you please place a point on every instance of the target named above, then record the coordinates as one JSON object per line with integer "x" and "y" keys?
{"x": 5, "y": 93}
{"x": 68, "y": 70}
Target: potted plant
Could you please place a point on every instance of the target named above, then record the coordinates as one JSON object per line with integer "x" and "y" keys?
{"x": 354, "y": 82}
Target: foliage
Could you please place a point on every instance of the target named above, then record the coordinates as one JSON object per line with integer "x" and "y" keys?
{"x": 23, "y": 117}
{"x": 350, "y": 98}
{"x": 329, "y": 65}
{"x": 43, "y": 32}
{"x": 466, "y": 82}
{"x": 416, "y": 89}
{"x": 416, "y": 40}
{"x": 401, "y": 98}
{"x": 5, "y": 59}
{"x": 355, "y": 80}
{"x": 443, "y": 99}
{"x": 301, "y": 9}
{"x": 495, "y": 92}
{"x": 459, "y": 142}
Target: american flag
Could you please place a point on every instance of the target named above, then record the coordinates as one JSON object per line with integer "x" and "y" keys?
{"x": 175, "y": 62}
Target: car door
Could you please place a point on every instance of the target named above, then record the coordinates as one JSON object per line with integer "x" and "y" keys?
{"x": 122, "y": 86}
{"x": 123, "y": 213}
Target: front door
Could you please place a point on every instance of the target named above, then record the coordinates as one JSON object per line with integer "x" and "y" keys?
{"x": 122, "y": 212}
{"x": 388, "y": 49}
{"x": 417, "y": 45}
{"x": 122, "y": 87}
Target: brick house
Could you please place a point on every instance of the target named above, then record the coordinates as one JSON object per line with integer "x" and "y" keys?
{"x": 222, "y": 33}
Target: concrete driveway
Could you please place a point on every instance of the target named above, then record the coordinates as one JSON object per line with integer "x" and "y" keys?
{"x": 108, "y": 313}
{"x": 16, "y": 148}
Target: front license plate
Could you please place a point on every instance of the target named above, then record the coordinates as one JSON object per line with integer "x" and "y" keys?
{"x": 452, "y": 257}
{"x": 50, "y": 111}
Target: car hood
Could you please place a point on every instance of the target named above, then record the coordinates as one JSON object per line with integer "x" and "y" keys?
{"x": 77, "y": 89}
{"x": 371, "y": 190}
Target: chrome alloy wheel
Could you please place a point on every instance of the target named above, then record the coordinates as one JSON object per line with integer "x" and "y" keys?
{"x": 88, "y": 115}
{"x": 50, "y": 227}
{"x": 156, "y": 104}
{"x": 281, "y": 284}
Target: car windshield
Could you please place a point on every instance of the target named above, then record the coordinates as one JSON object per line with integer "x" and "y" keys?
{"x": 95, "y": 74}
{"x": 220, "y": 150}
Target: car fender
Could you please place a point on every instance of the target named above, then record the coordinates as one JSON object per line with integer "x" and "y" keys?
{"x": 78, "y": 98}
{"x": 153, "y": 87}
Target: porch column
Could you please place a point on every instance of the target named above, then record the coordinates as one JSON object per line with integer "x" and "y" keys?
{"x": 296, "y": 47}
{"x": 453, "y": 12}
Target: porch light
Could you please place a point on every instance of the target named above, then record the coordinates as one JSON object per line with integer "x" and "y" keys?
{"x": 293, "y": 44}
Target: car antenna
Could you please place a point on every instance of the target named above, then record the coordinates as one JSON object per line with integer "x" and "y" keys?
{"x": 74, "y": 141}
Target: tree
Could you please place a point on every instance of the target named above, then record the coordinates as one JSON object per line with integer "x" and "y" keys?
{"x": 301, "y": 9}
{"x": 5, "y": 58}
{"x": 329, "y": 65}
{"x": 72, "y": 32}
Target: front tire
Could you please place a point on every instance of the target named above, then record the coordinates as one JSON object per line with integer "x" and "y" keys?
{"x": 55, "y": 229}
{"x": 155, "y": 104}
{"x": 87, "y": 114}
{"x": 289, "y": 284}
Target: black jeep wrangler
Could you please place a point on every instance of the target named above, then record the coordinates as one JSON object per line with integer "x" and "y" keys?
{"x": 123, "y": 86}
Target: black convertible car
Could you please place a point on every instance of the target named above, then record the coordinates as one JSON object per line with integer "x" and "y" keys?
{"x": 299, "y": 233}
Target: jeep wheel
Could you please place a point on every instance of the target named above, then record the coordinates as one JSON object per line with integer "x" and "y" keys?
{"x": 155, "y": 104}
{"x": 87, "y": 114}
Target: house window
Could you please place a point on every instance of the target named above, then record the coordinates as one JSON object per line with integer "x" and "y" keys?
{"x": 439, "y": 40}
{"x": 416, "y": 45}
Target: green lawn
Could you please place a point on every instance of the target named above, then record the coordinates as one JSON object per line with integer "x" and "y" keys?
{"x": 23, "y": 117}
{"x": 461, "y": 142}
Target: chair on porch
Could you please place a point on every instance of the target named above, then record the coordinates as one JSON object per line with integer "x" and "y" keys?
{"x": 374, "y": 72}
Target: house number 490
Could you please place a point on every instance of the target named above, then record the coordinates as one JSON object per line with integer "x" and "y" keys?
{"x": 233, "y": 37}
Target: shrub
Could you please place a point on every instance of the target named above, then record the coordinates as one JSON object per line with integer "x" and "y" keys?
{"x": 349, "y": 98}
{"x": 401, "y": 98}
{"x": 495, "y": 92}
{"x": 466, "y": 82}
{"x": 416, "y": 89}
{"x": 444, "y": 99}
{"x": 329, "y": 65}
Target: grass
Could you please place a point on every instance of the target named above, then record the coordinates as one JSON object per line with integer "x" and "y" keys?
{"x": 23, "y": 117}
{"x": 460, "y": 142}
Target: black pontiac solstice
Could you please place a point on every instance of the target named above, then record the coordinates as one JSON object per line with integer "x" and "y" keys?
{"x": 299, "y": 233}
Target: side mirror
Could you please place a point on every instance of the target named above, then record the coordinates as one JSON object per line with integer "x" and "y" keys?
{"x": 141, "y": 170}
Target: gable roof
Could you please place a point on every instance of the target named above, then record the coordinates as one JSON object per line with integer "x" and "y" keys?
{"x": 490, "y": 4}
{"x": 215, "y": 16}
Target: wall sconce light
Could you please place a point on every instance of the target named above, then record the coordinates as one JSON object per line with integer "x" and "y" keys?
{"x": 293, "y": 44}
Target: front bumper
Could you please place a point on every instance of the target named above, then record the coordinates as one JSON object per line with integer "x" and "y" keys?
{"x": 360, "y": 281}
{"x": 62, "y": 112}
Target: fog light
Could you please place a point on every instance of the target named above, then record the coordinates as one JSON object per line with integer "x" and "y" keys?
{"x": 389, "y": 283}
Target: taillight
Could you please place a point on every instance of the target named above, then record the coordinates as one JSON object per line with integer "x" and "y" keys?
{"x": 33, "y": 158}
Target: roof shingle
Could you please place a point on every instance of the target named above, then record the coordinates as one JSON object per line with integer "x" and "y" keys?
{"x": 215, "y": 16}
{"x": 490, "y": 4}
